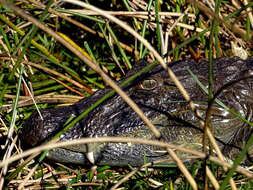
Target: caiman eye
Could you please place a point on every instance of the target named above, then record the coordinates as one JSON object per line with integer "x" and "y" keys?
{"x": 148, "y": 84}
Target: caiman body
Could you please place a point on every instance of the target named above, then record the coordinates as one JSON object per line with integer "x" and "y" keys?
{"x": 163, "y": 104}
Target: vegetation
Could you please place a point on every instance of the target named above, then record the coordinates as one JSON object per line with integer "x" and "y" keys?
{"x": 36, "y": 60}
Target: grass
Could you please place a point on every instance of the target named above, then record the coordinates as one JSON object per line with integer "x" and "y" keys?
{"x": 34, "y": 62}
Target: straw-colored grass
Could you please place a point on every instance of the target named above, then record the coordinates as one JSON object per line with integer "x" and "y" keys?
{"x": 45, "y": 60}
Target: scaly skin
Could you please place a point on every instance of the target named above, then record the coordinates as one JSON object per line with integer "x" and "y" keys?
{"x": 162, "y": 103}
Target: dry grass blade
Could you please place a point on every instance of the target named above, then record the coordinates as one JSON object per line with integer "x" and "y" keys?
{"x": 26, "y": 101}
{"x": 249, "y": 10}
{"x": 122, "y": 140}
{"x": 133, "y": 13}
{"x": 23, "y": 183}
{"x": 212, "y": 178}
{"x": 91, "y": 64}
{"x": 159, "y": 58}
{"x": 130, "y": 174}
{"x": 82, "y": 26}
{"x": 233, "y": 27}
{"x": 59, "y": 75}
{"x": 161, "y": 29}
{"x": 183, "y": 168}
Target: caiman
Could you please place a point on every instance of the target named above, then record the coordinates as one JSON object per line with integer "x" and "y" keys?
{"x": 162, "y": 103}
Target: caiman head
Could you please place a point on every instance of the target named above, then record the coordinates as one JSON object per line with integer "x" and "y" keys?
{"x": 164, "y": 105}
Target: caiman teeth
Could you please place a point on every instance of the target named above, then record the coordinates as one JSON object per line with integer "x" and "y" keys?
{"x": 90, "y": 157}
